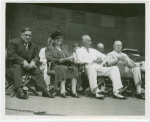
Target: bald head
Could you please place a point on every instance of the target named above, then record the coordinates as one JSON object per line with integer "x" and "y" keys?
{"x": 100, "y": 47}
{"x": 117, "y": 46}
{"x": 85, "y": 37}
{"x": 86, "y": 41}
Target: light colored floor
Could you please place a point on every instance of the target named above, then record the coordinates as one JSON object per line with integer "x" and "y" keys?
{"x": 83, "y": 106}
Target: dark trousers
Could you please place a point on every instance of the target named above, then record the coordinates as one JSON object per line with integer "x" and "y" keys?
{"x": 35, "y": 75}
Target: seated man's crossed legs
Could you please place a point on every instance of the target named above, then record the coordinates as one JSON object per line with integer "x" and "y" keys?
{"x": 112, "y": 72}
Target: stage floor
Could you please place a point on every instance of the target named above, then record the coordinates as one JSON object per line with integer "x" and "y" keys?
{"x": 83, "y": 106}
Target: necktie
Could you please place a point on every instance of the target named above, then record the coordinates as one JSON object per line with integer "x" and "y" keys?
{"x": 26, "y": 45}
{"x": 88, "y": 50}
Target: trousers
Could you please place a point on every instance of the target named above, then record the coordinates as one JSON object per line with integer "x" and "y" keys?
{"x": 132, "y": 72}
{"x": 35, "y": 73}
{"x": 113, "y": 73}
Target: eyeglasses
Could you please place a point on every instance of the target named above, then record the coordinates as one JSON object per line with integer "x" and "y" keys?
{"x": 58, "y": 39}
{"x": 27, "y": 35}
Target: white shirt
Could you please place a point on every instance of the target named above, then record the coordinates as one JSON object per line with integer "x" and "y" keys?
{"x": 43, "y": 57}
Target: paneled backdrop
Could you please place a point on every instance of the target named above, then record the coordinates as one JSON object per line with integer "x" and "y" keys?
{"x": 102, "y": 28}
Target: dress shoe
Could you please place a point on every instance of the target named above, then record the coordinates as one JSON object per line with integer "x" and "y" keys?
{"x": 99, "y": 96}
{"x": 119, "y": 96}
{"x": 47, "y": 94}
{"x": 63, "y": 95}
{"x": 75, "y": 95}
{"x": 140, "y": 96}
{"x": 21, "y": 94}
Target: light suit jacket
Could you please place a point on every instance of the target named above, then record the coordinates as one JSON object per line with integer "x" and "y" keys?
{"x": 124, "y": 68}
{"x": 83, "y": 56}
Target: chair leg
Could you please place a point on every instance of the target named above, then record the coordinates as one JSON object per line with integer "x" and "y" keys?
{"x": 10, "y": 88}
{"x": 87, "y": 93}
{"x": 7, "y": 87}
{"x": 13, "y": 94}
{"x": 124, "y": 89}
{"x": 33, "y": 91}
{"x": 110, "y": 92}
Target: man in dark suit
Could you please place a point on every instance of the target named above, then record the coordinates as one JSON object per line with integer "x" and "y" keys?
{"x": 25, "y": 55}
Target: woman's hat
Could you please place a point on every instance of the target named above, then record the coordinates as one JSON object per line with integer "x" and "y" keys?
{"x": 56, "y": 34}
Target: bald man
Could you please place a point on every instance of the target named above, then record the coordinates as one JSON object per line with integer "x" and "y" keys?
{"x": 94, "y": 61}
{"x": 100, "y": 47}
{"x": 127, "y": 67}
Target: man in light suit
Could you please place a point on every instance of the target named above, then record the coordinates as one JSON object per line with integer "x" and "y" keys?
{"x": 94, "y": 61}
{"x": 127, "y": 67}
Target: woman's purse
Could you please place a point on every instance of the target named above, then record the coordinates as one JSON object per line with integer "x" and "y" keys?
{"x": 69, "y": 64}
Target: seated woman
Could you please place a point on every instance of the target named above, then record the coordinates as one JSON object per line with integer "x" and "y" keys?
{"x": 59, "y": 54}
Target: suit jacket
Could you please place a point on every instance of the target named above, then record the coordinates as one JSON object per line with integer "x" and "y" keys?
{"x": 17, "y": 50}
{"x": 53, "y": 54}
{"x": 123, "y": 67}
{"x": 83, "y": 56}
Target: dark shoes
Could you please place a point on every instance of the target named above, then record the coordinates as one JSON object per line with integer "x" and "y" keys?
{"x": 45, "y": 93}
{"x": 140, "y": 96}
{"x": 63, "y": 95}
{"x": 75, "y": 95}
{"x": 21, "y": 94}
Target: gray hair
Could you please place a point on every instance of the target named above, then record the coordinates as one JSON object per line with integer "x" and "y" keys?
{"x": 117, "y": 41}
{"x": 84, "y": 37}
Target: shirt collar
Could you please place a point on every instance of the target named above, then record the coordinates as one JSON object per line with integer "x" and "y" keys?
{"x": 25, "y": 42}
{"x": 85, "y": 48}
{"x": 117, "y": 52}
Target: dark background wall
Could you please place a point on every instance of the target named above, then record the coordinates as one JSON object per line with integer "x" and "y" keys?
{"x": 102, "y": 27}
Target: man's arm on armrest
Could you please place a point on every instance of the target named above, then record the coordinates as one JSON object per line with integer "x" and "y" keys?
{"x": 11, "y": 53}
{"x": 111, "y": 61}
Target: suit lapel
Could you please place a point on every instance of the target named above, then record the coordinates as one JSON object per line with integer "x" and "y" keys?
{"x": 87, "y": 54}
{"x": 22, "y": 48}
{"x": 59, "y": 53}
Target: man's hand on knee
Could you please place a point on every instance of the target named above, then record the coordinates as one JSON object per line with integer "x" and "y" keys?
{"x": 25, "y": 64}
{"x": 97, "y": 61}
{"x": 32, "y": 65}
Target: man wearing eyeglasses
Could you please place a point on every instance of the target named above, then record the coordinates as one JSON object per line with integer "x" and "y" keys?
{"x": 25, "y": 58}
